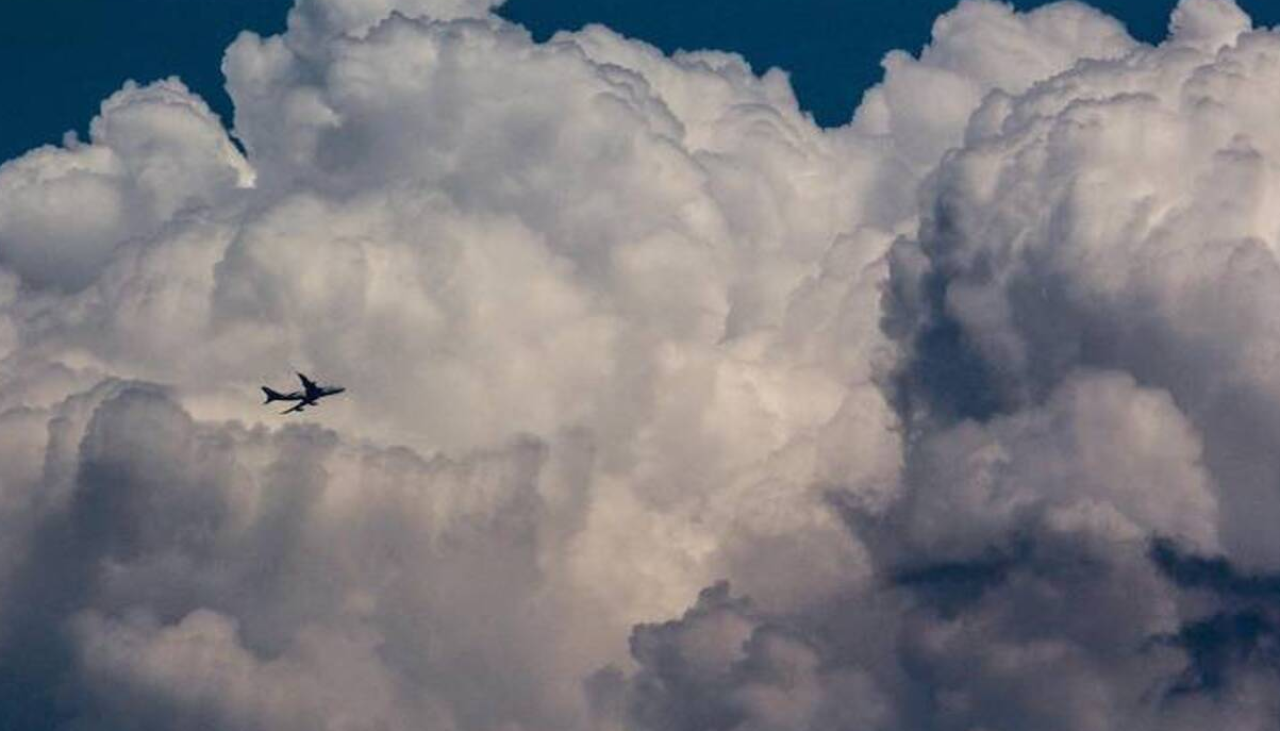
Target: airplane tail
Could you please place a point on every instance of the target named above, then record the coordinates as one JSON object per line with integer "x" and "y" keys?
{"x": 272, "y": 395}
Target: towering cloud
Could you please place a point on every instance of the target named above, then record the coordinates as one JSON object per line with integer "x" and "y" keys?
{"x": 668, "y": 409}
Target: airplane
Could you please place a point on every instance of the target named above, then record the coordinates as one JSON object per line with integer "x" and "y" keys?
{"x": 311, "y": 393}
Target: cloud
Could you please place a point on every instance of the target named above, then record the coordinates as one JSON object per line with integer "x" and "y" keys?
{"x": 1114, "y": 218}
{"x": 955, "y": 417}
{"x": 154, "y": 152}
{"x": 725, "y": 664}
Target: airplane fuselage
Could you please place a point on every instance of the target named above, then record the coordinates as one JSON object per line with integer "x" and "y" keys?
{"x": 309, "y": 396}
{"x": 310, "y": 400}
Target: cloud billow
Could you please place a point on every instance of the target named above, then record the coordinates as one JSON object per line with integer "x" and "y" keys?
{"x": 668, "y": 409}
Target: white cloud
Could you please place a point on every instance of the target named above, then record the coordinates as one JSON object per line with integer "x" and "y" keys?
{"x": 154, "y": 153}
{"x": 1117, "y": 217}
{"x": 617, "y": 326}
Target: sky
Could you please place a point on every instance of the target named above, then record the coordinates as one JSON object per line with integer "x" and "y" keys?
{"x": 667, "y": 408}
{"x": 60, "y": 59}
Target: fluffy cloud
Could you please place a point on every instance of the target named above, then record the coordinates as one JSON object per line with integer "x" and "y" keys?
{"x": 154, "y": 152}
{"x": 969, "y": 402}
{"x": 1118, "y": 218}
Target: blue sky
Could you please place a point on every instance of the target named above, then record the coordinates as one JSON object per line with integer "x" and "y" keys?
{"x": 59, "y": 59}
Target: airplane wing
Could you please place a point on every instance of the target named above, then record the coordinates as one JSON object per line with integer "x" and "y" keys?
{"x": 298, "y": 407}
{"x": 312, "y": 389}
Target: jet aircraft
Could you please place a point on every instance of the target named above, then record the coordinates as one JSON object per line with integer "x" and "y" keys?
{"x": 311, "y": 393}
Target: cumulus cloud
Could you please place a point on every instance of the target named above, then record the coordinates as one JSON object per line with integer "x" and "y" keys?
{"x": 667, "y": 409}
{"x": 153, "y": 153}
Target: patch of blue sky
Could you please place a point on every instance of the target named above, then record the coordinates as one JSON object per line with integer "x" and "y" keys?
{"x": 58, "y": 60}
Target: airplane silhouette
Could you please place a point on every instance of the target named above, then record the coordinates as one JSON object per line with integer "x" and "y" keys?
{"x": 311, "y": 393}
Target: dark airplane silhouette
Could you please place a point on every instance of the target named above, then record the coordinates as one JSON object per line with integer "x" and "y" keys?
{"x": 311, "y": 393}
